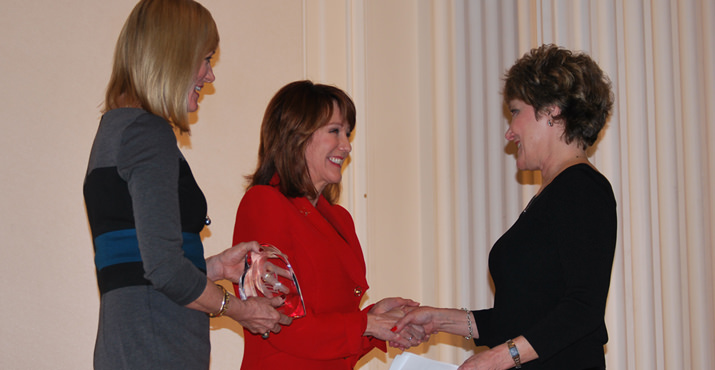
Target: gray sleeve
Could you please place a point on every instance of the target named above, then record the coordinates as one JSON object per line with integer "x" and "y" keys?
{"x": 148, "y": 160}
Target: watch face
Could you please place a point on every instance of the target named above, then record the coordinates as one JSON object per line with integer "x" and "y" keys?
{"x": 268, "y": 273}
{"x": 514, "y": 352}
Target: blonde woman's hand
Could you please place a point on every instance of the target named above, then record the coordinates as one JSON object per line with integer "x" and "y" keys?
{"x": 230, "y": 263}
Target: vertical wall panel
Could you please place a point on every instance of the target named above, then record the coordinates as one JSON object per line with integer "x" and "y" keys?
{"x": 694, "y": 133}
{"x": 475, "y": 121}
{"x": 394, "y": 89}
{"x": 706, "y": 19}
{"x": 638, "y": 197}
{"x": 666, "y": 166}
{"x": 355, "y": 176}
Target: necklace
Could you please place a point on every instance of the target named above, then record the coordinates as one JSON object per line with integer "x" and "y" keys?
{"x": 530, "y": 202}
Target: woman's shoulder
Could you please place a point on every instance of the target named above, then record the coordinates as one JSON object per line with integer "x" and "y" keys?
{"x": 129, "y": 115}
{"x": 132, "y": 123}
{"x": 585, "y": 179}
{"x": 263, "y": 191}
{"x": 584, "y": 172}
{"x": 264, "y": 196}
{"x": 151, "y": 123}
{"x": 263, "y": 206}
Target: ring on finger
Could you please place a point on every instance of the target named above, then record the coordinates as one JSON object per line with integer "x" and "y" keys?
{"x": 265, "y": 335}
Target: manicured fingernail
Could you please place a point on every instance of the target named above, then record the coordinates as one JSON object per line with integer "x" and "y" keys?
{"x": 394, "y": 329}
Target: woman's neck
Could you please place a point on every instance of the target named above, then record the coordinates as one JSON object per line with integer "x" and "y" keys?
{"x": 562, "y": 160}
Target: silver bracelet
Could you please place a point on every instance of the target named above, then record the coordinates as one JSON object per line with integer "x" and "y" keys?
{"x": 469, "y": 324}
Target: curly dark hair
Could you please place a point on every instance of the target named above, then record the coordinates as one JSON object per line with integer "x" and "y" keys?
{"x": 550, "y": 75}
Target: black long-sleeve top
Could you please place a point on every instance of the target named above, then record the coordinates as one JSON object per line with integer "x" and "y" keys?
{"x": 551, "y": 272}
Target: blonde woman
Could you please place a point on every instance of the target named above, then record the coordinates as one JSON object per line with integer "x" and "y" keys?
{"x": 145, "y": 209}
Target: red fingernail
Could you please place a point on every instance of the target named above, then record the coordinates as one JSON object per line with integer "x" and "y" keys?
{"x": 394, "y": 329}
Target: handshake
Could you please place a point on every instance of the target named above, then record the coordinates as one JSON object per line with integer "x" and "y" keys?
{"x": 401, "y": 322}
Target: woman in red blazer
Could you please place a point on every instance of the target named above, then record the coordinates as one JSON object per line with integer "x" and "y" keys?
{"x": 290, "y": 203}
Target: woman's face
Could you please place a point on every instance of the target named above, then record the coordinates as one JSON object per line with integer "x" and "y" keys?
{"x": 327, "y": 149}
{"x": 204, "y": 74}
{"x": 529, "y": 134}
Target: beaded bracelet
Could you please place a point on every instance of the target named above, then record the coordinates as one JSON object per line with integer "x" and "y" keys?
{"x": 224, "y": 303}
{"x": 469, "y": 323}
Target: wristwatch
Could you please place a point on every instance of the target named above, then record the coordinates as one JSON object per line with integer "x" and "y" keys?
{"x": 514, "y": 352}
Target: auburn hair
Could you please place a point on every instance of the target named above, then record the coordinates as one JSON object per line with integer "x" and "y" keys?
{"x": 294, "y": 113}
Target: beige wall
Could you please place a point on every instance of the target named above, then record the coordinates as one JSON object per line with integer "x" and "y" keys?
{"x": 55, "y": 60}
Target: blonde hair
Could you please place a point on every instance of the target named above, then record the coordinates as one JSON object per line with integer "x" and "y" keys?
{"x": 157, "y": 56}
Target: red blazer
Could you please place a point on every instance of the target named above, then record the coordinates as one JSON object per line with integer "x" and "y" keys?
{"x": 325, "y": 254}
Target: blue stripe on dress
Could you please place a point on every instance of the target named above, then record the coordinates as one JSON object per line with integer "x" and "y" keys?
{"x": 121, "y": 246}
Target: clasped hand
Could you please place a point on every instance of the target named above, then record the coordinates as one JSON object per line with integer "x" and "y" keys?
{"x": 382, "y": 320}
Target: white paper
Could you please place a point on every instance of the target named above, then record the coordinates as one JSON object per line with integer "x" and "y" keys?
{"x": 411, "y": 361}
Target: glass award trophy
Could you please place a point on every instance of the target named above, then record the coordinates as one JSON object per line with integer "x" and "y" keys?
{"x": 268, "y": 274}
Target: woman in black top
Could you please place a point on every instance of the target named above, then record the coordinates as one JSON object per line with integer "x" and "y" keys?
{"x": 552, "y": 268}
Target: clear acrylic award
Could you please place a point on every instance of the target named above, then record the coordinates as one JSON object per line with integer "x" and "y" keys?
{"x": 268, "y": 274}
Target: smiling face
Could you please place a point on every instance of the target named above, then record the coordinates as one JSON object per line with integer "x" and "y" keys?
{"x": 203, "y": 75}
{"x": 327, "y": 149}
{"x": 531, "y": 135}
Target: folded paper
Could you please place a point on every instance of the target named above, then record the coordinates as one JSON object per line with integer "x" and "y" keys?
{"x": 411, "y": 361}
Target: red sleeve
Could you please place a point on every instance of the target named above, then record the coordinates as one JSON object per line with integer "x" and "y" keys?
{"x": 334, "y": 325}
